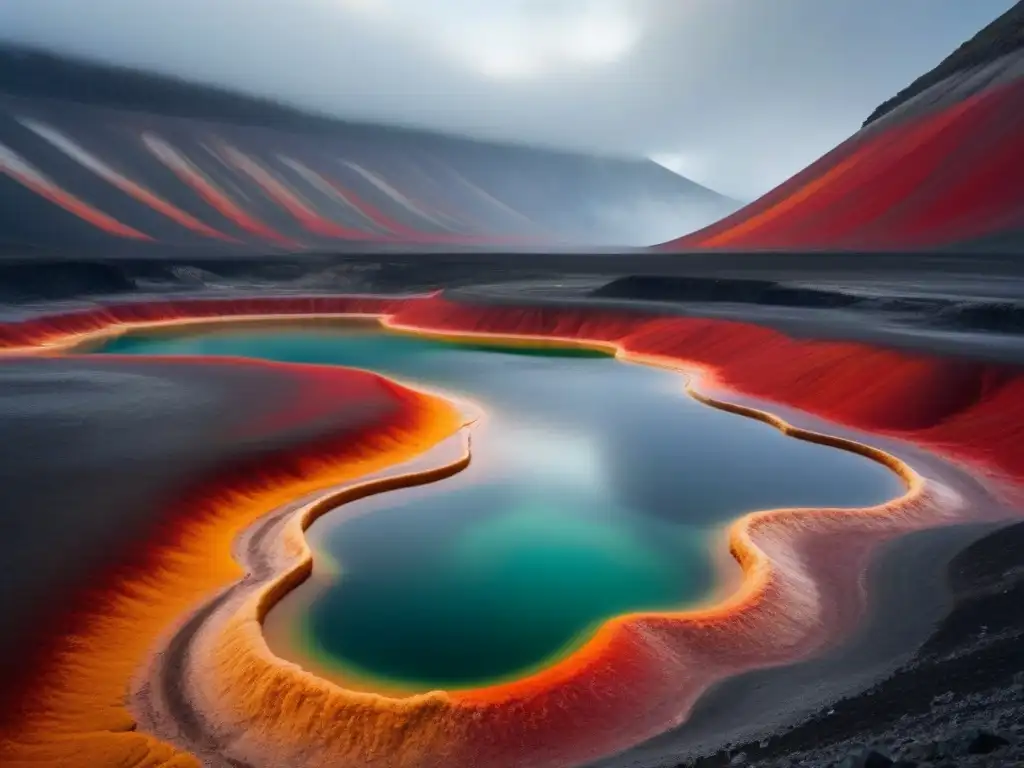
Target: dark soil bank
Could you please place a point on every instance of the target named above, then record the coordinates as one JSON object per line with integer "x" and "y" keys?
{"x": 959, "y": 701}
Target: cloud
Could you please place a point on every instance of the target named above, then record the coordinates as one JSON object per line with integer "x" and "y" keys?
{"x": 747, "y": 91}
{"x": 524, "y": 39}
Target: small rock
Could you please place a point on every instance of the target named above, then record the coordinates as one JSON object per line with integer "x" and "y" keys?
{"x": 971, "y": 741}
{"x": 920, "y": 752}
{"x": 739, "y": 759}
{"x": 982, "y": 742}
{"x": 942, "y": 699}
{"x": 866, "y": 758}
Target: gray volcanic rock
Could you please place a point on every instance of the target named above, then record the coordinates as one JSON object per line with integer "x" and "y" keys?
{"x": 866, "y": 758}
{"x": 958, "y": 702}
{"x": 1002, "y": 37}
{"x": 95, "y": 450}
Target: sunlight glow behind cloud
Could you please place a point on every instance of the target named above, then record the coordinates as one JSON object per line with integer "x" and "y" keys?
{"x": 513, "y": 39}
{"x": 736, "y": 94}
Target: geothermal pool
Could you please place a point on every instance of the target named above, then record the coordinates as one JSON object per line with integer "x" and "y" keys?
{"x": 597, "y": 488}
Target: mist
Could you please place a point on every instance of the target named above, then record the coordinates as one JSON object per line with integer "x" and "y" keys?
{"x": 751, "y": 92}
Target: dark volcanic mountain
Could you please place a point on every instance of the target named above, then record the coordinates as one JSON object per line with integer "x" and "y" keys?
{"x": 1002, "y": 37}
{"x": 261, "y": 173}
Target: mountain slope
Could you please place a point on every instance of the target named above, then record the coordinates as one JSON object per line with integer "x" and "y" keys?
{"x": 938, "y": 166}
{"x": 91, "y": 153}
{"x": 1002, "y": 37}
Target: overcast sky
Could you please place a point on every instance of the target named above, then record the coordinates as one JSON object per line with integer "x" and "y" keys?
{"x": 735, "y": 94}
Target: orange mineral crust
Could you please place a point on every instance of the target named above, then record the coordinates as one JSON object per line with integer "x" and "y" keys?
{"x": 638, "y": 676}
{"x": 73, "y": 710}
{"x": 641, "y": 673}
{"x": 62, "y": 331}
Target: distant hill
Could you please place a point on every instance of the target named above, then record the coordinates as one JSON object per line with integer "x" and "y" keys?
{"x": 1003, "y": 36}
{"x": 504, "y": 189}
{"x": 40, "y": 74}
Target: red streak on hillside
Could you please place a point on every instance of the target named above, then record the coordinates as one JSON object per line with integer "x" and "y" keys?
{"x": 288, "y": 199}
{"x": 46, "y": 189}
{"x": 947, "y": 176}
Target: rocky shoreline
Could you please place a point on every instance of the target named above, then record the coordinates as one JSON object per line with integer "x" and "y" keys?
{"x": 958, "y": 702}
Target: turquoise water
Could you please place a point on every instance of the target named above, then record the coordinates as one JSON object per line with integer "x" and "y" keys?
{"x": 597, "y": 488}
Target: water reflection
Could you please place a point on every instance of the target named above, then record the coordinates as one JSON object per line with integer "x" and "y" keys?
{"x": 595, "y": 489}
